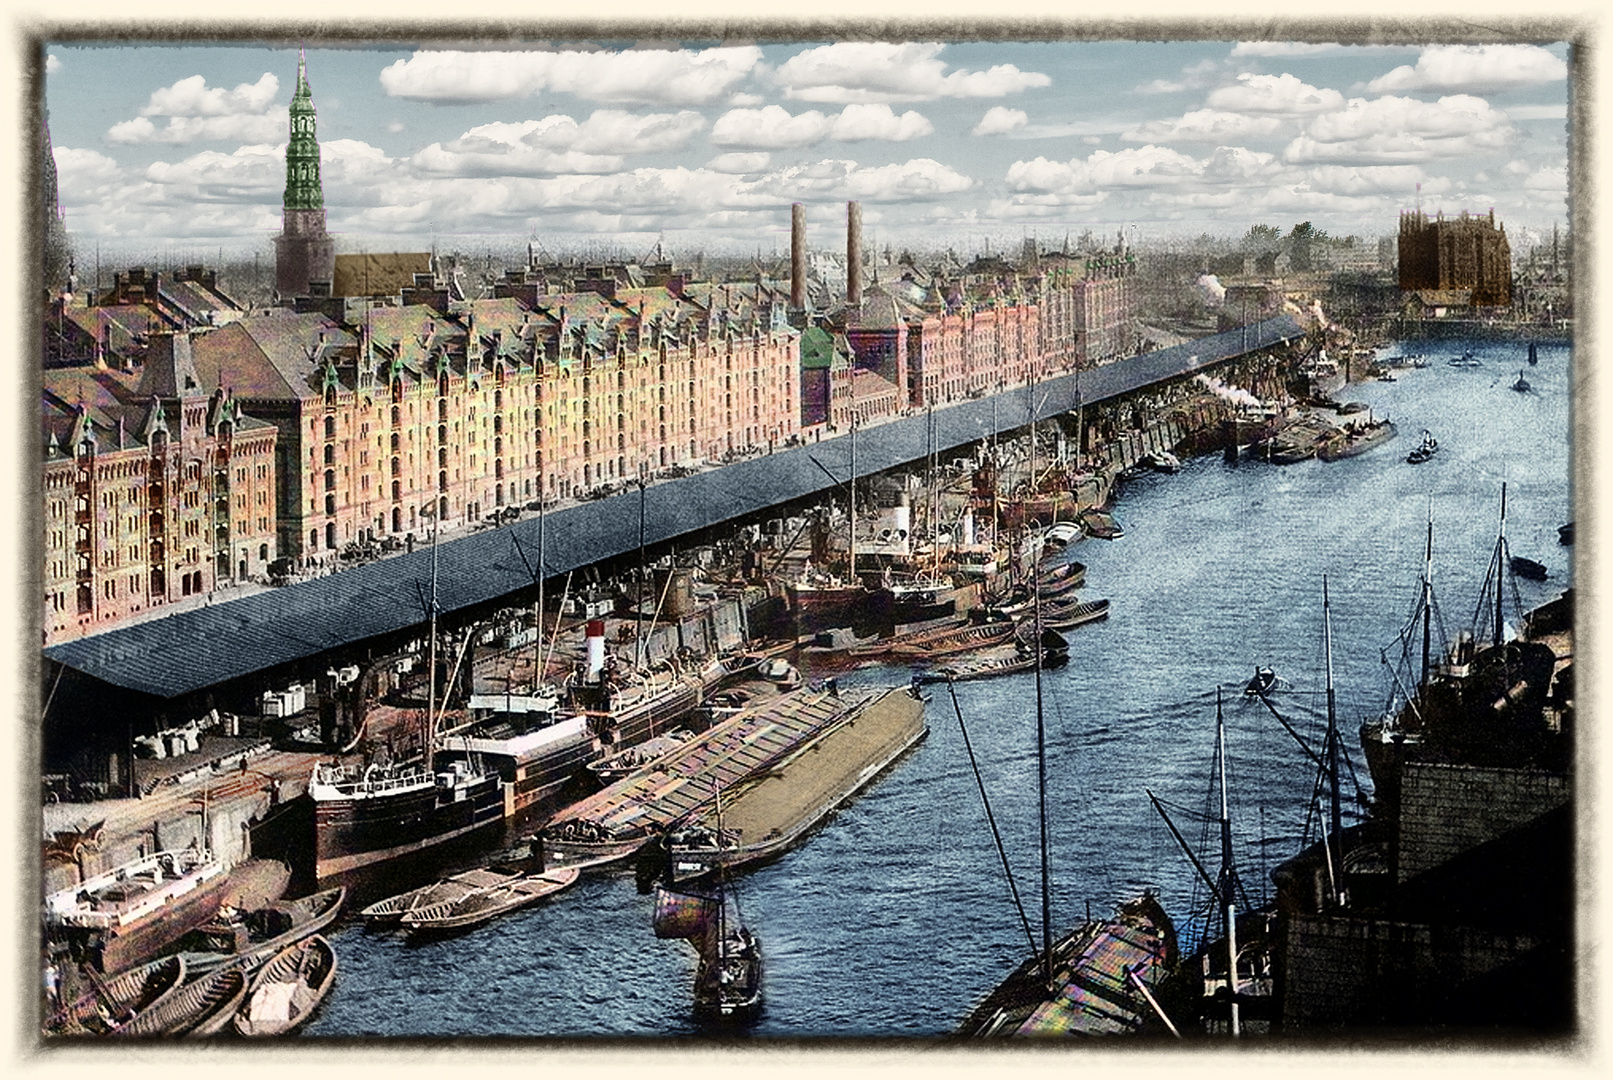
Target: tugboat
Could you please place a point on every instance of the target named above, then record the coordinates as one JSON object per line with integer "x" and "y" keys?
{"x": 1425, "y": 450}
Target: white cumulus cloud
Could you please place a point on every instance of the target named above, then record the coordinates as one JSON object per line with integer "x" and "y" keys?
{"x": 53, "y": 64}
{"x": 1478, "y": 68}
{"x": 1399, "y": 130}
{"x": 559, "y": 144}
{"x": 877, "y": 71}
{"x": 1276, "y": 95}
{"x": 193, "y": 97}
{"x": 774, "y": 128}
{"x": 1000, "y": 120}
{"x": 771, "y": 127}
{"x": 197, "y": 112}
{"x": 643, "y": 76}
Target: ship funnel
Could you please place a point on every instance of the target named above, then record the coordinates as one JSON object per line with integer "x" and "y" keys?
{"x": 596, "y": 647}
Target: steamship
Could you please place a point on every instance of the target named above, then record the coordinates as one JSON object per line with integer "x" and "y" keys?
{"x": 539, "y": 742}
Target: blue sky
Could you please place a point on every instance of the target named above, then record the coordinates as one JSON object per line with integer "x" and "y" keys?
{"x": 181, "y": 148}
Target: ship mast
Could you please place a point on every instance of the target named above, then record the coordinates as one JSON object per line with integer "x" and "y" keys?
{"x": 1500, "y": 563}
{"x": 1332, "y": 740}
{"x": 431, "y": 655}
{"x": 1041, "y": 736}
{"x": 851, "y": 510}
{"x": 1428, "y": 594}
{"x": 1228, "y": 891}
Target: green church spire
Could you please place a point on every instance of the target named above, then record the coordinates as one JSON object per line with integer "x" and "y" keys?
{"x": 302, "y": 152}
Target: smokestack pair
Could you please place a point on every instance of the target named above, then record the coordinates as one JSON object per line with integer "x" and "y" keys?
{"x": 854, "y": 243}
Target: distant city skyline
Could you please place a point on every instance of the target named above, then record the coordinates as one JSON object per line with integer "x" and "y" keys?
{"x": 181, "y": 148}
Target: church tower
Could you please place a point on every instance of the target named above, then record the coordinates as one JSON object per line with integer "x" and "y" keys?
{"x": 304, "y": 251}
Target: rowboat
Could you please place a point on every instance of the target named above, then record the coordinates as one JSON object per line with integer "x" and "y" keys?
{"x": 197, "y": 1009}
{"x": 952, "y": 640}
{"x": 248, "y": 940}
{"x": 1073, "y": 613}
{"x": 480, "y": 907}
{"x": 981, "y": 667}
{"x": 449, "y": 889}
{"x": 288, "y": 989}
{"x": 118, "y": 1000}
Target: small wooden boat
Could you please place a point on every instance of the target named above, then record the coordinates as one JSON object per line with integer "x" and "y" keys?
{"x": 288, "y": 989}
{"x": 981, "y": 667}
{"x": 1073, "y": 613}
{"x": 1260, "y": 682}
{"x": 781, "y": 673}
{"x": 1565, "y": 534}
{"x": 452, "y": 888}
{"x": 198, "y": 1009}
{"x": 953, "y": 640}
{"x": 245, "y": 941}
{"x": 480, "y": 907}
{"x": 1528, "y": 568}
{"x": 118, "y": 1000}
{"x": 1061, "y": 533}
{"x": 1101, "y": 524}
{"x": 1025, "y": 637}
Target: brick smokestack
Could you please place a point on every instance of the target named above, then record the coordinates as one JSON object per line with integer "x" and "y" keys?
{"x": 797, "y": 256}
{"x": 854, "y": 253}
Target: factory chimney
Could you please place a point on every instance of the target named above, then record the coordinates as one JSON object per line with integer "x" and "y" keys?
{"x": 797, "y": 257}
{"x": 854, "y": 254}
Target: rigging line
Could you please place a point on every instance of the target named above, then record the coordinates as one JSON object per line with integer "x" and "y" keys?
{"x": 991, "y": 818}
{"x": 1181, "y": 841}
{"x": 1315, "y": 758}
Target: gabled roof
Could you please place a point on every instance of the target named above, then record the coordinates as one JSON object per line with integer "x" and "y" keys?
{"x": 266, "y": 356}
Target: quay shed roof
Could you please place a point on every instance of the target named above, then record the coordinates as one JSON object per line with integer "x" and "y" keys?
{"x": 202, "y": 647}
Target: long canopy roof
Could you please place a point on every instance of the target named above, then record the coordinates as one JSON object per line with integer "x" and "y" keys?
{"x": 205, "y": 646}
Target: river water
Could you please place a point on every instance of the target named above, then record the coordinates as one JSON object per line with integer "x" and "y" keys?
{"x": 895, "y": 917}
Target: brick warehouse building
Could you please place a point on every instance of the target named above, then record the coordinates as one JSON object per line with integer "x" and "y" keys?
{"x": 154, "y": 489}
{"x": 461, "y": 412}
{"x": 1467, "y": 252}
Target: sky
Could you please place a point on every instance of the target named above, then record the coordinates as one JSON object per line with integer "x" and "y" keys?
{"x": 180, "y": 149}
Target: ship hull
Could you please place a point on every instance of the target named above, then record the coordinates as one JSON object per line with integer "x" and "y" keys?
{"x": 351, "y": 833}
{"x": 133, "y": 945}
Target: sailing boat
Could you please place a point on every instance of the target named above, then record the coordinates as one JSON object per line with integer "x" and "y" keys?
{"x": 1098, "y": 978}
{"x": 1522, "y": 384}
{"x": 384, "y": 810}
{"x": 728, "y": 971}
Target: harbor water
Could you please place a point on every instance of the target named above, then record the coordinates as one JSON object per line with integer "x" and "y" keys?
{"x": 895, "y": 918}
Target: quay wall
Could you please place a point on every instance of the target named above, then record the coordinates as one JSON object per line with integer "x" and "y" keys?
{"x": 1446, "y": 810}
{"x": 1339, "y": 971}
